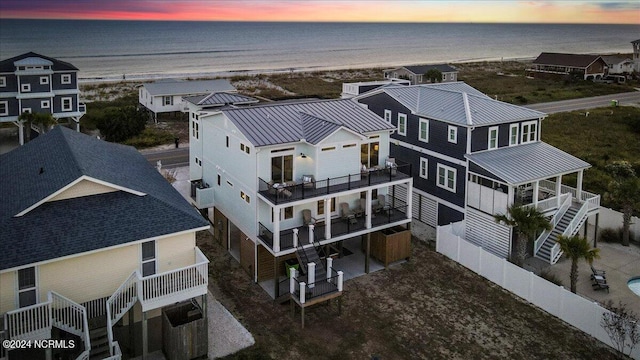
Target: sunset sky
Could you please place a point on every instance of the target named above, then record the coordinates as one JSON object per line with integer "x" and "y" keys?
{"x": 551, "y": 11}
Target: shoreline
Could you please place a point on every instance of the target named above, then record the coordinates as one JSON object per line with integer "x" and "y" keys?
{"x": 139, "y": 78}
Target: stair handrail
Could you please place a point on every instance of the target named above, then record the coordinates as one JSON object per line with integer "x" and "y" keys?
{"x": 39, "y": 316}
{"x": 566, "y": 203}
{"x": 555, "y": 253}
{"x": 73, "y": 320}
{"x": 131, "y": 287}
{"x": 577, "y": 220}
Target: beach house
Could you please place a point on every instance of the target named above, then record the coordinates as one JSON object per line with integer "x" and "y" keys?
{"x": 417, "y": 73}
{"x": 474, "y": 157}
{"x": 34, "y": 83}
{"x": 165, "y": 96}
{"x": 97, "y": 247}
{"x": 282, "y": 181}
{"x": 559, "y": 65}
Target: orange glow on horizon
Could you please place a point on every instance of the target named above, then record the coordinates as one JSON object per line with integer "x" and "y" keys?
{"x": 342, "y": 11}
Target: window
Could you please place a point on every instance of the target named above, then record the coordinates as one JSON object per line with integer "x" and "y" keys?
{"x": 26, "y": 110}
{"x": 65, "y": 79}
{"x": 45, "y": 104}
{"x": 227, "y": 141}
{"x": 245, "y": 148}
{"x": 148, "y": 258}
{"x": 288, "y": 212}
{"x": 219, "y": 180}
{"x": 423, "y": 134}
{"x": 321, "y": 206}
{"x": 446, "y": 177}
{"x": 402, "y": 124}
{"x": 195, "y": 129}
{"x": 44, "y": 80}
{"x": 229, "y": 183}
{"x": 444, "y": 77}
{"x": 424, "y": 168}
{"x": 167, "y": 100}
{"x": 452, "y": 132}
{"x": 529, "y": 132}
{"x": 282, "y": 168}
{"x": 66, "y": 103}
{"x": 348, "y": 146}
{"x": 25, "y": 87}
{"x": 387, "y": 116}
{"x": 3, "y": 81}
{"x": 513, "y": 134}
{"x": 27, "y": 287}
{"x": 493, "y": 137}
{"x": 369, "y": 154}
{"x": 331, "y": 148}
{"x": 245, "y": 197}
{"x": 4, "y": 108}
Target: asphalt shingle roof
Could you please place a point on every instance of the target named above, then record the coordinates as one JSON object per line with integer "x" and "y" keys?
{"x": 45, "y": 165}
{"x": 422, "y": 69}
{"x": 179, "y": 87}
{"x": 312, "y": 120}
{"x": 7, "y": 65}
{"x": 576, "y": 60}
{"x": 458, "y": 103}
{"x": 526, "y": 163}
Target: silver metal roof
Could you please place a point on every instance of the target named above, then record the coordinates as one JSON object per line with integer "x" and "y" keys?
{"x": 33, "y": 61}
{"x": 312, "y": 121}
{"x": 220, "y": 99}
{"x": 526, "y": 163}
{"x": 458, "y": 103}
{"x": 180, "y": 87}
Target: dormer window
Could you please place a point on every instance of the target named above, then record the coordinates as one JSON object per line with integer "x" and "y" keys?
{"x": 529, "y": 132}
{"x": 493, "y": 138}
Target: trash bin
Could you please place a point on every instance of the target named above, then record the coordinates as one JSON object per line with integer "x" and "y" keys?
{"x": 177, "y": 141}
{"x": 614, "y": 103}
{"x": 291, "y": 264}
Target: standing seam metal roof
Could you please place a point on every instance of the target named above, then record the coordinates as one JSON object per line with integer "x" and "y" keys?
{"x": 459, "y": 104}
{"x": 178, "y": 87}
{"x": 526, "y": 163}
{"x": 285, "y": 123}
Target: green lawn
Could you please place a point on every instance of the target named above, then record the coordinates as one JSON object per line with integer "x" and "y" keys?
{"x": 607, "y": 134}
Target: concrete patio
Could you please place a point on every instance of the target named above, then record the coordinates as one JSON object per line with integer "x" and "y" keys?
{"x": 620, "y": 263}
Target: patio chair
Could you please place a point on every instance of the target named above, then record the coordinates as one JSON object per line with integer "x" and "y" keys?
{"x": 597, "y": 273}
{"x": 307, "y": 219}
{"x": 391, "y": 166}
{"x": 599, "y": 283}
{"x": 347, "y": 214}
{"x": 360, "y": 210}
{"x": 381, "y": 205}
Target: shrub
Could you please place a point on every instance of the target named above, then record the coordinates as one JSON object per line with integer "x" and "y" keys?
{"x": 521, "y": 99}
{"x": 611, "y": 235}
{"x": 550, "y": 277}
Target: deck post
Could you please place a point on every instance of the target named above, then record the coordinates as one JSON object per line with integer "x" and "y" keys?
{"x": 329, "y": 267}
{"x": 595, "y": 236}
{"x": 295, "y": 237}
{"x": 311, "y": 274}
{"x": 132, "y": 350}
{"x": 276, "y": 229}
{"x": 579, "y": 185}
{"x": 145, "y": 336}
{"x": 21, "y": 132}
{"x": 311, "y": 238}
{"x": 536, "y": 187}
{"x": 366, "y": 253}
{"x": 558, "y": 190}
{"x": 327, "y": 218}
{"x": 276, "y": 285}
{"x": 367, "y": 211}
{"x": 340, "y": 280}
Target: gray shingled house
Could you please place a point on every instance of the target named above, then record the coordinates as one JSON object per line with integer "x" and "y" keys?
{"x": 93, "y": 236}
{"x": 416, "y": 73}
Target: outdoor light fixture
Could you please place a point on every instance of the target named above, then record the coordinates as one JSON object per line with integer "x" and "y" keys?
{"x": 302, "y": 155}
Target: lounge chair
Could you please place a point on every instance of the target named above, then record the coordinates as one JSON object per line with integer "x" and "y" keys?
{"x": 599, "y": 283}
{"x": 307, "y": 218}
{"x": 347, "y": 214}
{"x": 595, "y": 273}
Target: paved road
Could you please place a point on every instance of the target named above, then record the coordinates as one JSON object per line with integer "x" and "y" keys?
{"x": 170, "y": 158}
{"x": 630, "y": 98}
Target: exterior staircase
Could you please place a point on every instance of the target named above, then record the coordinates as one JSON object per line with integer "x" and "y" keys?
{"x": 310, "y": 254}
{"x": 99, "y": 343}
{"x": 568, "y": 225}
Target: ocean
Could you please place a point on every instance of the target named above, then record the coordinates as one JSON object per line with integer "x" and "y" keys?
{"x": 107, "y": 50}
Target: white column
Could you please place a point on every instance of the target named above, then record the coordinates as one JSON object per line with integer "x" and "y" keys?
{"x": 340, "y": 280}
{"x": 367, "y": 210}
{"x": 510, "y": 193}
{"x": 303, "y": 293}
{"x": 295, "y": 237}
{"x": 311, "y": 238}
{"x": 329, "y": 267}
{"x": 292, "y": 281}
{"x": 311, "y": 274}
{"x": 327, "y": 218}
{"x": 21, "y": 132}
{"x": 276, "y": 229}
{"x": 579, "y": 185}
{"x": 408, "y": 200}
{"x": 558, "y": 190}
{"x": 536, "y": 187}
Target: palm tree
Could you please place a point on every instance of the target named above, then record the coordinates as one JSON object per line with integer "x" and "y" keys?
{"x": 575, "y": 248}
{"x": 624, "y": 192}
{"x": 527, "y": 221}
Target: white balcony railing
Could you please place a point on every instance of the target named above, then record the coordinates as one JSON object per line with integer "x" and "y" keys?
{"x": 566, "y": 203}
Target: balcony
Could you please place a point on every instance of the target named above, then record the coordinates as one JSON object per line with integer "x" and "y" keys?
{"x": 340, "y": 228}
{"x": 292, "y": 191}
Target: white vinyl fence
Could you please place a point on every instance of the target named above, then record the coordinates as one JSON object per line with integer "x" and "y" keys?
{"x": 556, "y": 300}
{"x": 613, "y": 219}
